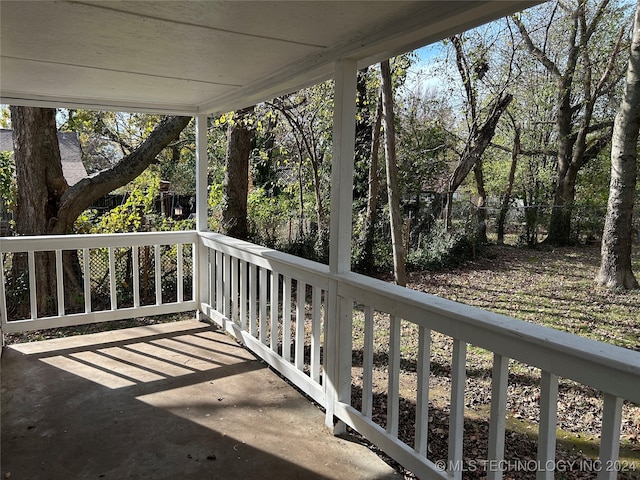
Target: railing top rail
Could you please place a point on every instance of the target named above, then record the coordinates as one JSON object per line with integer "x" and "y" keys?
{"x": 606, "y": 367}
{"x": 269, "y": 258}
{"x": 611, "y": 369}
{"x": 65, "y": 242}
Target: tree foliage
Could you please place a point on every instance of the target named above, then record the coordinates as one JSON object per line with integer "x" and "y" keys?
{"x": 525, "y": 103}
{"x": 583, "y": 68}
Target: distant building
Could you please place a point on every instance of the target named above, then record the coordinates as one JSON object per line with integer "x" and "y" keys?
{"x": 70, "y": 153}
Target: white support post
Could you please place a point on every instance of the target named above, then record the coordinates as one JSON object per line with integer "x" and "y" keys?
{"x": 393, "y": 390}
{"x": 498, "y": 421}
{"x": 262, "y": 335}
{"x": 179, "y": 273}
{"x": 60, "y": 282}
{"x": 86, "y": 274}
{"x": 244, "y": 272}
{"x": 31, "y": 259}
{"x": 202, "y": 161}
{"x": 610, "y": 437}
{"x": 112, "y": 279}
{"x": 547, "y": 427}
{"x": 301, "y": 291}
{"x": 3, "y": 299}
{"x": 316, "y": 319}
{"x": 338, "y": 364}
{"x": 157, "y": 256}
{"x": 201, "y": 267}
{"x": 456, "y": 417}
{"x": 253, "y": 299}
{"x": 367, "y": 364}
{"x": 286, "y": 318}
{"x": 274, "y": 310}
{"x": 422, "y": 395}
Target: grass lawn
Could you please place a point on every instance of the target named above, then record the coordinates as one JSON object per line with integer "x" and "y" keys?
{"x": 551, "y": 287}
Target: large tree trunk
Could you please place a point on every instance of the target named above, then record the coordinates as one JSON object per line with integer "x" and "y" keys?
{"x": 395, "y": 216}
{"x": 41, "y": 185}
{"x": 478, "y": 141}
{"x": 615, "y": 268}
{"x": 562, "y": 209}
{"x": 574, "y": 122}
{"x": 47, "y": 205}
{"x": 236, "y": 178}
{"x": 569, "y": 159}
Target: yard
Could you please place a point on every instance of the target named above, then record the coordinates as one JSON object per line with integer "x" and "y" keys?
{"x": 551, "y": 287}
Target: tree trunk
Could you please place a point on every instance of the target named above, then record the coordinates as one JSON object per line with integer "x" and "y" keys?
{"x": 41, "y": 185}
{"x": 477, "y": 143}
{"x": 615, "y": 268}
{"x": 236, "y": 178}
{"x": 395, "y": 216}
{"x": 366, "y": 262}
{"x": 506, "y": 197}
{"x": 574, "y": 121}
{"x": 481, "y": 205}
{"x": 363, "y": 138}
{"x": 322, "y": 241}
{"x": 562, "y": 209}
{"x": 47, "y": 205}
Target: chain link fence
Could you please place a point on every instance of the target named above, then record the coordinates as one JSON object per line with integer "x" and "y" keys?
{"x": 17, "y": 276}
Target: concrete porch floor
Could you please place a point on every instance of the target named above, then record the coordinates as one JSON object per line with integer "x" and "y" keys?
{"x": 170, "y": 401}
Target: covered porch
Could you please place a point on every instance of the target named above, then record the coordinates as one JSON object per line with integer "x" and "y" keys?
{"x": 279, "y": 307}
{"x": 297, "y": 316}
{"x": 173, "y": 400}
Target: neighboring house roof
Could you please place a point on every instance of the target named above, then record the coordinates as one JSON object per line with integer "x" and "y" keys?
{"x": 70, "y": 153}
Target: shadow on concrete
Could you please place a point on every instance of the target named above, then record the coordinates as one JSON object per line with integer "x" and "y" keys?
{"x": 163, "y": 402}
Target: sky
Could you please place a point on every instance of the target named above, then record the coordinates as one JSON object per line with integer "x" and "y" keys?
{"x": 424, "y": 73}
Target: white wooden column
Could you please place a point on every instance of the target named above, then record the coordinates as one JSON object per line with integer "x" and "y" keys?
{"x": 201, "y": 173}
{"x": 200, "y": 267}
{"x": 338, "y": 357}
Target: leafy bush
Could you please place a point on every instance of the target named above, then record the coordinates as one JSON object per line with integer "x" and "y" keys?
{"x": 442, "y": 248}
{"x": 268, "y": 216}
{"x": 301, "y": 247}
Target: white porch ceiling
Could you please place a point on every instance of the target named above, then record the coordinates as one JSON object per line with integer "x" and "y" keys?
{"x": 190, "y": 57}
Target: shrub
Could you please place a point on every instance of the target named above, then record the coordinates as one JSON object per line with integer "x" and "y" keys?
{"x": 442, "y": 248}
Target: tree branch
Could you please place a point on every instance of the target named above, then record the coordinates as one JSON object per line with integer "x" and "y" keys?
{"x": 535, "y": 51}
{"x": 81, "y": 195}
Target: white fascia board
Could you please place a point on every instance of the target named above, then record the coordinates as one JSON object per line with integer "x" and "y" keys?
{"x": 100, "y": 104}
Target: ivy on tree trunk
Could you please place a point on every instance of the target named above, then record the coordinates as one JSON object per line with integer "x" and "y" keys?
{"x": 240, "y": 134}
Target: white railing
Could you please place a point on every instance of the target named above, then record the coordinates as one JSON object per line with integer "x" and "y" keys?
{"x": 281, "y": 308}
{"x": 272, "y": 302}
{"x": 612, "y": 370}
{"x": 241, "y": 293}
{"x": 118, "y": 295}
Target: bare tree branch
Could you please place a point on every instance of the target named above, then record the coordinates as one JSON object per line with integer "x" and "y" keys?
{"x": 535, "y": 51}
